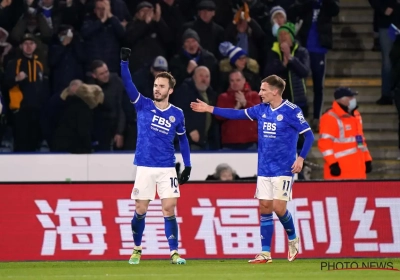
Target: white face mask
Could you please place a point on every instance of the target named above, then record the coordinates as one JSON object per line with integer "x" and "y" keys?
{"x": 352, "y": 104}
{"x": 275, "y": 28}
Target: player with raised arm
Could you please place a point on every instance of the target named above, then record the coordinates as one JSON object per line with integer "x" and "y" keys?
{"x": 158, "y": 121}
{"x": 279, "y": 124}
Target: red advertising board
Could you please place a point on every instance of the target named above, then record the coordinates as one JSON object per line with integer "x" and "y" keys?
{"x": 92, "y": 221}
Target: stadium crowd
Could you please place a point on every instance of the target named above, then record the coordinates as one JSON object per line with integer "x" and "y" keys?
{"x": 59, "y": 66}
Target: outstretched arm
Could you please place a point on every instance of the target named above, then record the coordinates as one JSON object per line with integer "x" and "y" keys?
{"x": 130, "y": 87}
{"x": 232, "y": 114}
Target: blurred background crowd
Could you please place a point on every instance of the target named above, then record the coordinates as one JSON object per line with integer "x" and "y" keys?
{"x": 59, "y": 65}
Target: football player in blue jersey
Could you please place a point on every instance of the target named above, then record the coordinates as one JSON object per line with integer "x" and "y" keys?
{"x": 158, "y": 121}
{"x": 279, "y": 124}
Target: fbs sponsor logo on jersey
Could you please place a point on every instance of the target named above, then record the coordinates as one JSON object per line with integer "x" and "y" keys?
{"x": 161, "y": 124}
{"x": 269, "y": 129}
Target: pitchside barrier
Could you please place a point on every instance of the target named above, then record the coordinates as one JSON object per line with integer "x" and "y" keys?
{"x": 91, "y": 221}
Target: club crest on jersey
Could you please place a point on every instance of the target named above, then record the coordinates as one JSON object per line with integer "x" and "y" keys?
{"x": 172, "y": 119}
{"x": 135, "y": 191}
{"x": 301, "y": 117}
{"x": 279, "y": 118}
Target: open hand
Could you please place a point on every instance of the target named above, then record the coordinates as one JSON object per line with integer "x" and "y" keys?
{"x": 201, "y": 107}
{"x": 297, "y": 165}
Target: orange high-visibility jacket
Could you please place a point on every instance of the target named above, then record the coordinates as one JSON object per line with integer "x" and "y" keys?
{"x": 337, "y": 143}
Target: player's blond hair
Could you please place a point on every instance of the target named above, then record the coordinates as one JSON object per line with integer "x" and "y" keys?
{"x": 169, "y": 77}
{"x": 275, "y": 82}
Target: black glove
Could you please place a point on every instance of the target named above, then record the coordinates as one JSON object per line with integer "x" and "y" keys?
{"x": 185, "y": 175}
{"x": 125, "y": 54}
{"x": 368, "y": 167}
{"x": 335, "y": 169}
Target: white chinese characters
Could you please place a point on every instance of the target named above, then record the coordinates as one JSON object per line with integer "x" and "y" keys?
{"x": 365, "y": 219}
{"x": 154, "y": 241}
{"x": 79, "y": 226}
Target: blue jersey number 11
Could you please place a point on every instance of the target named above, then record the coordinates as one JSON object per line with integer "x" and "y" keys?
{"x": 286, "y": 185}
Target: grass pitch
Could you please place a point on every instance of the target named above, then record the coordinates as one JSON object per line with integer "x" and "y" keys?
{"x": 194, "y": 270}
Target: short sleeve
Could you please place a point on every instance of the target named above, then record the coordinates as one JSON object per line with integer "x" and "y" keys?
{"x": 252, "y": 112}
{"x": 141, "y": 102}
{"x": 297, "y": 121}
{"x": 180, "y": 128}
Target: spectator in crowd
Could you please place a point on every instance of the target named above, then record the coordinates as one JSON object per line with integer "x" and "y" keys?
{"x": 385, "y": 16}
{"x": 210, "y": 33}
{"x": 34, "y": 23}
{"x": 144, "y": 77}
{"x": 28, "y": 93}
{"x": 278, "y": 18}
{"x": 172, "y": 15}
{"x": 73, "y": 13}
{"x": 118, "y": 8}
{"x": 102, "y": 32}
{"x": 238, "y": 134}
{"x": 315, "y": 35}
{"x": 5, "y": 14}
{"x": 109, "y": 123}
{"x": 200, "y": 127}
{"x": 147, "y": 36}
{"x": 342, "y": 141}
{"x": 223, "y": 172}
{"x": 73, "y": 133}
{"x": 237, "y": 59}
{"x": 395, "y": 78}
{"x": 246, "y": 34}
{"x": 51, "y": 13}
{"x": 255, "y": 9}
{"x": 190, "y": 56}
{"x": 289, "y": 60}
{"x": 66, "y": 59}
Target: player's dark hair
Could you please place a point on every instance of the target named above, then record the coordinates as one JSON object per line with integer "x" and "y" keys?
{"x": 276, "y": 82}
{"x": 96, "y": 64}
{"x": 169, "y": 77}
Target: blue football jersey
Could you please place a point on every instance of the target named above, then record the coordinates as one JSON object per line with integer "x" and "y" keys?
{"x": 156, "y": 133}
{"x": 278, "y": 133}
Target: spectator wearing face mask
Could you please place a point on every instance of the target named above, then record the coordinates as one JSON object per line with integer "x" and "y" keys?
{"x": 278, "y": 18}
{"x": 342, "y": 142}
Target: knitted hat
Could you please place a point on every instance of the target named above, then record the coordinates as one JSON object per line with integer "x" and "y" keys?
{"x": 190, "y": 33}
{"x": 229, "y": 50}
{"x": 288, "y": 27}
{"x": 277, "y": 10}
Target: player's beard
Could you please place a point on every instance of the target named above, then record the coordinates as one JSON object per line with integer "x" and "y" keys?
{"x": 160, "y": 97}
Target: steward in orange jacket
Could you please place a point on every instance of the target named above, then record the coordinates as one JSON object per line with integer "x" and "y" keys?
{"x": 342, "y": 141}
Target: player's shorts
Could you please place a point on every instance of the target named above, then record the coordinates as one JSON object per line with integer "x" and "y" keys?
{"x": 270, "y": 188}
{"x": 151, "y": 179}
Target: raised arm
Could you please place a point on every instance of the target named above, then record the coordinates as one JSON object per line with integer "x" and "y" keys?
{"x": 227, "y": 113}
{"x": 130, "y": 87}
